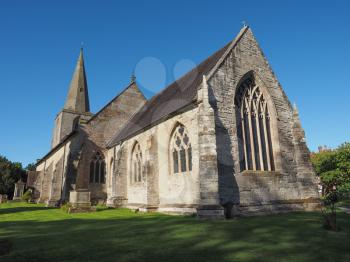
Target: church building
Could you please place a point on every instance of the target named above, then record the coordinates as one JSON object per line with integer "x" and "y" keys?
{"x": 222, "y": 140}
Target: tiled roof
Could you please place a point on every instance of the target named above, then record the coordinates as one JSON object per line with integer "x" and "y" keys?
{"x": 177, "y": 95}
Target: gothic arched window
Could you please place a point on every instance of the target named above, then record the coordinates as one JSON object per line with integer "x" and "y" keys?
{"x": 136, "y": 164}
{"x": 255, "y": 128}
{"x": 180, "y": 151}
{"x": 97, "y": 169}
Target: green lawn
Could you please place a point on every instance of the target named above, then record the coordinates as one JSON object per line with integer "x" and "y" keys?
{"x": 45, "y": 234}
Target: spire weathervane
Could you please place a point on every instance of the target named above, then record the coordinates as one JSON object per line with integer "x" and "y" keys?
{"x": 244, "y": 23}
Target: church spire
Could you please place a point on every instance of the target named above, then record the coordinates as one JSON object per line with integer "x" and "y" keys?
{"x": 78, "y": 96}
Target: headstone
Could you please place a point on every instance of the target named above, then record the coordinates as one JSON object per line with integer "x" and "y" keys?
{"x": 19, "y": 189}
{"x": 3, "y": 199}
{"x": 80, "y": 201}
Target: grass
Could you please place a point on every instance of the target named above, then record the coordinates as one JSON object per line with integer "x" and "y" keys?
{"x": 38, "y": 233}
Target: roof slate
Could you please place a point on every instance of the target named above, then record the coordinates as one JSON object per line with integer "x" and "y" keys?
{"x": 174, "y": 97}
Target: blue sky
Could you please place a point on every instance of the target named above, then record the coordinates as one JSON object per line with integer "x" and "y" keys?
{"x": 306, "y": 42}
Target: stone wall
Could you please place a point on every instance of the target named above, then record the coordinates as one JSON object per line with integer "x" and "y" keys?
{"x": 171, "y": 193}
{"x": 66, "y": 121}
{"x": 253, "y": 188}
{"x": 216, "y": 176}
{"x": 111, "y": 118}
{"x": 52, "y": 174}
{"x": 209, "y": 204}
{"x": 99, "y": 130}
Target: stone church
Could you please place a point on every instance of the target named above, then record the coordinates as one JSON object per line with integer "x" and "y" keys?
{"x": 221, "y": 140}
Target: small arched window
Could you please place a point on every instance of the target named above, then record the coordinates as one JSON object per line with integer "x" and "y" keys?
{"x": 255, "y": 128}
{"x": 97, "y": 169}
{"x": 180, "y": 150}
{"x": 136, "y": 164}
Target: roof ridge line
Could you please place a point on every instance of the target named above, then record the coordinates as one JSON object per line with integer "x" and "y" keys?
{"x": 228, "y": 50}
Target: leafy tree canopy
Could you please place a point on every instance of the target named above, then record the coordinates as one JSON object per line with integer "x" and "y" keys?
{"x": 333, "y": 167}
{"x": 10, "y": 173}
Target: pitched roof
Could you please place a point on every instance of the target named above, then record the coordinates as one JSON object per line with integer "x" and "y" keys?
{"x": 174, "y": 97}
{"x": 78, "y": 96}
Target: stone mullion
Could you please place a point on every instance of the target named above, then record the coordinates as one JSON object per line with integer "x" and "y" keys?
{"x": 187, "y": 160}
{"x": 140, "y": 170}
{"x": 94, "y": 179}
{"x": 137, "y": 168}
{"x": 99, "y": 171}
{"x": 266, "y": 139}
{"x": 244, "y": 138}
{"x": 258, "y": 133}
{"x": 178, "y": 160}
{"x": 252, "y": 146}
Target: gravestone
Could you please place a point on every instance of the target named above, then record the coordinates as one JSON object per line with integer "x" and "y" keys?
{"x": 19, "y": 189}
{"x": 3, "y": 199}
{"x": 80, "y": 201}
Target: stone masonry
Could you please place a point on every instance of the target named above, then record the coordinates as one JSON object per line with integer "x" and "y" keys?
{"x": 194, "y": 148}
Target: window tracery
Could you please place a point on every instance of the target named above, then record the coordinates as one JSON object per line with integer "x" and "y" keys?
{"x": 255, "y": 127}
{"x": 136, "y": 164}
{"x": 97, "y": 169}
{"x": 180, "y": 151}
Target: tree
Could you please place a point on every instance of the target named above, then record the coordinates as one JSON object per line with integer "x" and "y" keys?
{"x": 30, "y": 167}
{"x": 10, "y": 173}
{"x": 333, "y": 168}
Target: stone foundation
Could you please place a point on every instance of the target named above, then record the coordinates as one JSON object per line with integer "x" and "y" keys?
{"x": 211, "y": 212}
{"x": 275, "y": 207}
{"x": 117, "y": 201}
{"x": 177, "y": 210}
{"x": 52, "y": 203}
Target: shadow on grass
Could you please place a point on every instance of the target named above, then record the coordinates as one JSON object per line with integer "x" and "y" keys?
{"x": 137, "y": 237}
{"x": 11, "y": 210}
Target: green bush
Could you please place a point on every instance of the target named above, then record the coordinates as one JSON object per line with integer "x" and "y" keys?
{"x": 27, "y": 195}
{"x": 333, "y": 168}
{"x": 65, "y": 207}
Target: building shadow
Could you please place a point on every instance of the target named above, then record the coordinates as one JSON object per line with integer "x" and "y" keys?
{"x": 126, "y": 236}
{"x": 11, "y": 210}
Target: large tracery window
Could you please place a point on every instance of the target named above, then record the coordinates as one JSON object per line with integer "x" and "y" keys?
{"x": 180, "y": 151}
{"x": 136, "y": 164}
{"x": 97, "y": 169}
{"x": 255, "y": 128}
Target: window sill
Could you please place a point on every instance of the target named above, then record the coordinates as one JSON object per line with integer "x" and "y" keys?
{"x": 260, "y": 173}
{"x": 182, "y": 173}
